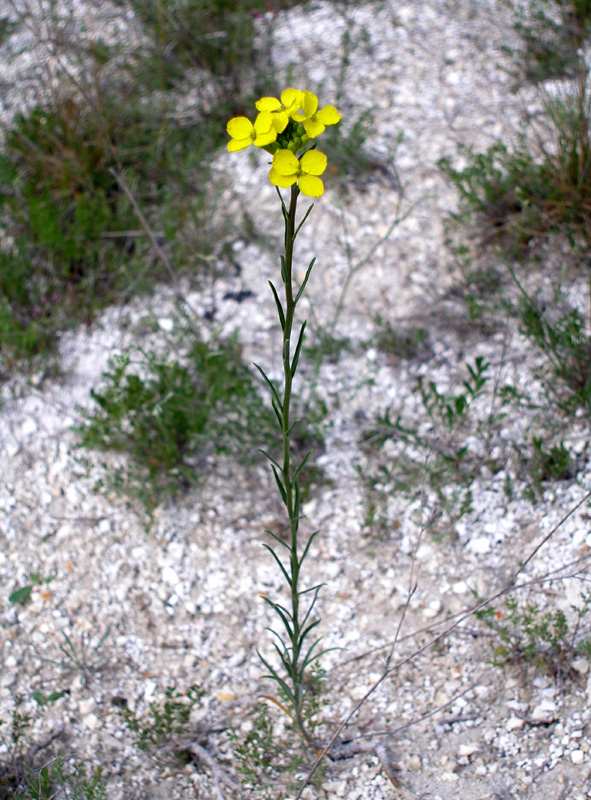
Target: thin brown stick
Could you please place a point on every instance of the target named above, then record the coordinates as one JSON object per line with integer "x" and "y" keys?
{"x": 203, "y": 755}
{"x": 548, "y": 537}
{"x": 509, "y": 587}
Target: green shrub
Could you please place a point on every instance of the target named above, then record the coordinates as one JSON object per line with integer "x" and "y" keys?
{"x": 164, "y": 414}
{"x": 551, "y": 33}
{"x": 523, "y": 632}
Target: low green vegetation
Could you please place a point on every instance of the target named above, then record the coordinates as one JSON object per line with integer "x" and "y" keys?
{"x": 166, "y": 416}
{"x": 35, "y": 771}
{"x": 522, "y": 632}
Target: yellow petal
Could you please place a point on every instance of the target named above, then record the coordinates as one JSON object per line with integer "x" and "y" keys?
{"x": 285, "y": 163}
{"x": 263, "y": 139}
{"x": 313, "y": 162}
{"x": 264, "y": 122}
{"x": 268, "y": 104}
{"x": 282, "y": 180}
{"x": 238, "y": 144}
{"x": 328, "y": 115}
{"x": 313, "y": 127}
{"x": 310, "y": 104}
{"x": 280, "y": 120}
{"x": 311, "y": 186}
{"x": 239, "y": 127}
{"x": 291, "y": 99}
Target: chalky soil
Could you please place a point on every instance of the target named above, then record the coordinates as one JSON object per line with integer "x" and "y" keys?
{"x": 181, "y": 604}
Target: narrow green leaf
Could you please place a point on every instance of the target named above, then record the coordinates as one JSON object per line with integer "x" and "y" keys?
{"x": 307, "y": 547}
{"x": 308, "y": 656}
{"x": 304, "y": 282}
{"x": 307, "y": 630}
{"x": 306, "y": 215}
{"x": 274, "y": 675}
{"x": 279, "y": 484}
{"x": 283, "y": 206}
{"x": 277, "y": 414}
{"x": 315, "y": 588}
{"x": 270, "y": 385}
{"x": 292, "y": 426}
{"x": 279, "y": 306}
{"x": 283, "y": 269}
{"x": 278, "y": 560}
{"x": 310, "y": 608}
{"x": 296, "y": 357}
{"x": 271, "y": 459}
{"x": 301, "y": 466}
{"x": 296, "y": 502}
{"x": 277, "y": 539}
{"x": 284, "y": 660}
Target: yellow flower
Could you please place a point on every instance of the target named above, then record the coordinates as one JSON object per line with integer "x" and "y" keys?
{"x": 281, "y": 110}
{"x": 315, "y": 121}
{"x": 243, "y": 132}
{"x": 287, "y": 169}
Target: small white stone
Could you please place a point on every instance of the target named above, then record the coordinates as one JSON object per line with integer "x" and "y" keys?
{"x": 468, "y": 749}
{"x": 580, "y": 665}
{"x": 414, "y": 763}
{"x": 544, "y": 711}
{"x": 514, "y": 724}
{"x": 577, "y": 756}
{"x": 91, "y": 721}
{"x": 480, "y": 545}
{"x": 166, "y": 324}
{"x": 169, "y": 576}
{"x": 29, "y": 427}
{"x": 424, "y": 552}
{"x": 86, "y": 706}
{"x": 432, "y": 609}
{"x": 461, "y": 587}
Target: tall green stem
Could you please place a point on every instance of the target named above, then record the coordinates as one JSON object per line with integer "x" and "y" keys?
{"x": 287, "y": 480}
{"x": 296, "y": 621}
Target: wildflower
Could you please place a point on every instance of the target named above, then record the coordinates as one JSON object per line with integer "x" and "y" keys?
{"x": 315, "y": 121}
{"x": 281, "y": 110}
{"x": 243, "y": 132}
{"x": 287, "y": 169}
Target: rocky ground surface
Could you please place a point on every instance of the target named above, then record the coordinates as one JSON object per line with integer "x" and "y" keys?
{"x": 181, "y": 603}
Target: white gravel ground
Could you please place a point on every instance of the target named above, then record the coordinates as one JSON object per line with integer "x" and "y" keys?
{"x": 182, "y": 602}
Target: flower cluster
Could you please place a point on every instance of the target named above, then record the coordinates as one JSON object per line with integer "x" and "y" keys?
{"x": 284, "y": 127}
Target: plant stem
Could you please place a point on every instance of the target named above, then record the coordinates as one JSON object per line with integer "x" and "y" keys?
{"x": 293, "y": 514}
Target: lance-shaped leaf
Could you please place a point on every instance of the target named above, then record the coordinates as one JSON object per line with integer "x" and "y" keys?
{"x": 306, "y": 215}
{"x": 271, "y": 459}
{"x": 308, "y": 657}
{"x": 285, "y": 660}
{"x": 312, "y": 604}
{"x": 283, "y": 269}
{"x": 301, "y": 466}
{"x": 278, "y": 560}
{"x": 283, "y": 206}
{"x": 307, "y": 630}
{"x": 279, "y": 306}
{"x": 271, "y": 386}
{"x": 277, "y": 414}
{"x": 277, "y": 539}
{"x": 296, "y": 357}
{"x": 304, "y": 282}
{"x": 292, "y": 426}
{"x": 307, "y": 547}
{"x": 279, "y": 484}
{"x": 276, "y": 677}
{"x": 296, "y": 501}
